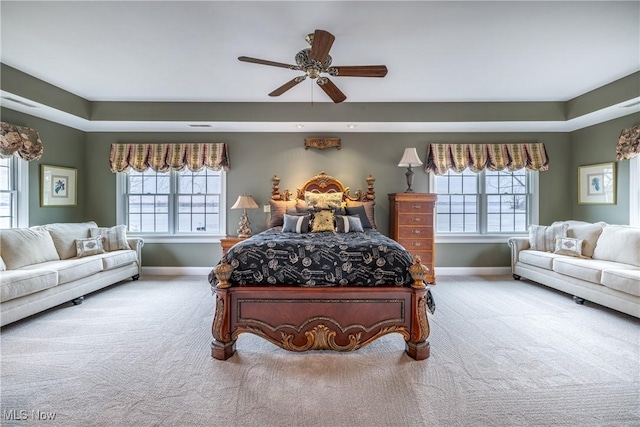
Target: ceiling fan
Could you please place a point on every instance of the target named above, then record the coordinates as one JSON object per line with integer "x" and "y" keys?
{"x": 315, "y": 60}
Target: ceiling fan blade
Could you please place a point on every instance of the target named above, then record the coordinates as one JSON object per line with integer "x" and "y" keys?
{"x": 288, "y": 85}
{"x": 359, "y": 71}
{"x": 265, "y": 62}
{"x": 322, "y": 42}
{"x": 332, "y": 90}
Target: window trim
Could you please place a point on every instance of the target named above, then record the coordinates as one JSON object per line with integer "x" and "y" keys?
{"x": 534, "y": 217}
{"x": 177, "y": 237}
{"x": 19, "y": 170}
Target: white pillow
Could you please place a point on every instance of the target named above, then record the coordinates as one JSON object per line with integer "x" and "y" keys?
{"x": 568, "y": 246}
{"x": 89, "y": 246}
{"x": 113, "y": 238}
{"x": 542, "y": 238}
{"x": 619, "y": 243}
{"x": 26, "y": 246}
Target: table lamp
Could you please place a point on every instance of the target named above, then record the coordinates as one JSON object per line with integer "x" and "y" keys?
{"x": 409, "y": 160}
{"x": 244, "y": 202}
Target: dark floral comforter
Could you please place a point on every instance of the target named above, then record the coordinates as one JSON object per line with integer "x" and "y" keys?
{"x": 318, "y": 259}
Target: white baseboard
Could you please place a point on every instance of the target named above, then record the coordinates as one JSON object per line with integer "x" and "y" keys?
{"x": 176, "y": 271}
{"x": 440, "y": 271}
{"x": 472, "y": 271}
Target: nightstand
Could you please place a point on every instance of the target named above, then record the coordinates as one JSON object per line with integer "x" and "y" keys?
{"x": 411, "y": 225}
{"x": 229, "y": 241}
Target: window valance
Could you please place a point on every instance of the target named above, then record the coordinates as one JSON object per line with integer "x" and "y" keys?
{"x": 19, "y": 140}
{"x": 477, "y": 157}
{"x": 167, "y": 157}
{"x": 628, "y": 143}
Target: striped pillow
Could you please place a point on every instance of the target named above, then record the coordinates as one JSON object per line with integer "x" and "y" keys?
{"x": 113, "y": 238}
{"x": 542, "y": 238}
{"x": 296, "y": 223}
{"x": 348, "y": 224}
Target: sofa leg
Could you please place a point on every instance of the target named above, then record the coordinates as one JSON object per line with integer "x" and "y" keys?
{"x": 516, "y": 277}
{"x": 136, "y": 277}
{"x": 77, "y": 301}
{"x": 578, "y": 300}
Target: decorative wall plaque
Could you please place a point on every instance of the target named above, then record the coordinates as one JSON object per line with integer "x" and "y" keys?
{"x": 322, "y": 143}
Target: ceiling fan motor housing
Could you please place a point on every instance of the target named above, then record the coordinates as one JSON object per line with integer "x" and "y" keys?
{"x": 312, "y": 67}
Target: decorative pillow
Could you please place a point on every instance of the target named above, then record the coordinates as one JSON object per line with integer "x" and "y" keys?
{"x": 322, "y": 221}
{"x": 296, "y": 223}
{"x": 589, "y": 233}
{"x": 64, "y": 235}
{"x": 90, "y": 246}
{"x": 360, "y": 212}
{"x": 113, "y": 238}
{"x": 323, "y": 200}
{"x": 348, "y": 224}
{"x": 368, "y": 211}
{"x": 26, "y": 246}
{"x": 542, "y": 238}
{"x": 278, "y": 209}
{"x": 568, "y": 246}
{"x": 2, "y": 266}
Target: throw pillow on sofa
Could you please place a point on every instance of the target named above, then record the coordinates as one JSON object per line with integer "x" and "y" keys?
{"x": 568, "y": 246}
{"x": 543, "y": 238}
{"x": 89, "y": 246}
{"x": 113, "y": 238}
{"x": 26, "y": 246}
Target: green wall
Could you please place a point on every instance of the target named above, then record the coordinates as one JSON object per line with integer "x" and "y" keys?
{"x": 63, "y": 146}
{"x": 256, "y": 157}
{"x": 597, "y": 144}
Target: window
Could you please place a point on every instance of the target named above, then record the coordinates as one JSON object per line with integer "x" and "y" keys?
{"x": 182, "y": 203}
{"x": 14, "y": 193}
{"x": 489, "y": 202}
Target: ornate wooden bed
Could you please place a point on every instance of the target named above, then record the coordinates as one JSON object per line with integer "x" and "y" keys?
{"x": 340, "y": 318}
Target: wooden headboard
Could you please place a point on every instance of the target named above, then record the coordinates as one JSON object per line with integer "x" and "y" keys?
{"x": 323, "y": 183}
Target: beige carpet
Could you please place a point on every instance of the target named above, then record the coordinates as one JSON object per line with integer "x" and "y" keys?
{"x": 504, "y": 353}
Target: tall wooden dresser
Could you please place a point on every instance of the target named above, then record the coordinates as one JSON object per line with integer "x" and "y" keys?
{"x": 411, "y": 225}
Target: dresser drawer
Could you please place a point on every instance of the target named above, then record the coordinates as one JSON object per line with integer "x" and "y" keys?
{"x": 420, "y": 207}
{"x": 416, "y": 232}
{"x": 426, "y": 257}
{"x": 425, "y": 219}
{"x": 413, "y": 245}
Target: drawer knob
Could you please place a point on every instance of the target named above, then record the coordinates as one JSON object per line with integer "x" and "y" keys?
{"x": 417, "y": 244}
{"x": 416, "y": 219}
{"x": 416, "y": 231}
{"x": 416, "y": 206}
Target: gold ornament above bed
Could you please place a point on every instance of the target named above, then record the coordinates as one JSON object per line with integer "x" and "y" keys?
{"x": 323, "y": 183}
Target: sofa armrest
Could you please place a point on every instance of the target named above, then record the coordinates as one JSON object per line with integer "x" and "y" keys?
{"x": 136, "y": 243}
{"x": 517, "y": 244}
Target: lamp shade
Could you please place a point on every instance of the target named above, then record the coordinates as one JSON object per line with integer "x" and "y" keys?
{"x": 410, "y": 158}
{"x": 245, "y": 202}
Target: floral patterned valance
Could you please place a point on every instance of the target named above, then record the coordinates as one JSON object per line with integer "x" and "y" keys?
{"x": 166, "y": 157}
{"x": 628, "y": 143}
{"x": 477, "y": 157}
{"x": 19, "y": 140}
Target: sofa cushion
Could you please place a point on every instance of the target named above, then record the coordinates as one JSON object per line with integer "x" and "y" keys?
{"x": 71, "y": 269}
{"x": 26, "y": 246}
{"x": 111, "y": 260}
{"x": 17, "y": 283}
{"x": 65, "y": 234}
{"x": 114, "y": 238}
{"x": 542, "y": 238}
{"x": 589, "y": 234}
{"x": 585, "y": 269}
{"x": 538, "y": 258}
{"x": 619, "y": 243}
{"x": 627, "y": 281}
{"x": 3, "y": 267}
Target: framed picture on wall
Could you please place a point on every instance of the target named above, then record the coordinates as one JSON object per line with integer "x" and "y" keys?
{"x": 58, "y": 186}
{"x": 597, "y": 184}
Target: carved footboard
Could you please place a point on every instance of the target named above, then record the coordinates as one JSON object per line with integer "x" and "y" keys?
{"x": 336, "y": 318}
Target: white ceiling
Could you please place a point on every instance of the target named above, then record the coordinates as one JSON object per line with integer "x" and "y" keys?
{"x": 435, "y": 51}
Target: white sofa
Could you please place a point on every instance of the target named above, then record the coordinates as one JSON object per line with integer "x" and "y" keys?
{"x": 607, "y": 272}
{"x": 40, "y": 267}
